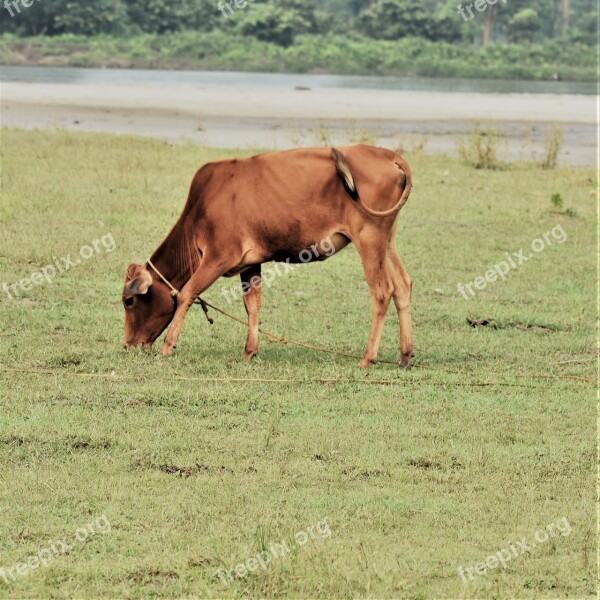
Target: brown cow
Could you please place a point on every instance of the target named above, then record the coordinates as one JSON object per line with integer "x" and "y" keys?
{"x": 271, "y": 207}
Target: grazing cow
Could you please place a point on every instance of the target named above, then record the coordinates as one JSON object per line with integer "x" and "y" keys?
{"x": 242, "y": 213}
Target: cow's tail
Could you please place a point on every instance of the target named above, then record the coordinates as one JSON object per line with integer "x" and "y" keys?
{"x": 343, "y": 170}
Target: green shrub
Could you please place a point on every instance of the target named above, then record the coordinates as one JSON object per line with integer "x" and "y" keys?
{"x": 556, "y": 200}
{"x": 554, "y": 141}
{"x": 479, "y": 148}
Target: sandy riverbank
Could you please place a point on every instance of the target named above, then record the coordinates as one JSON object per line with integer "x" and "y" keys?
{"x": 265, "y": 118}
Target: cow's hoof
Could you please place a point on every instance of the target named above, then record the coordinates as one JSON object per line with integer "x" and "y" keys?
{"x": 167, "y": 350}
{"x": 365, "y": 363}
{"x": 249, "y": 355}
{"x": 405, "y": 362}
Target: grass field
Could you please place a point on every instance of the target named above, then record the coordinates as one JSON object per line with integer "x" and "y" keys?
{"x": 196, "y": 471}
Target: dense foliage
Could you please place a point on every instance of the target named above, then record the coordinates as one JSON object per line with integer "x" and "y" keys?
{"x": 342, "y": 54}
{"x": 523, "y": 39}
{"x": 280, "y": 21}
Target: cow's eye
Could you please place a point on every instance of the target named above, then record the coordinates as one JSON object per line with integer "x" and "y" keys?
{"x": 128, "y": 302}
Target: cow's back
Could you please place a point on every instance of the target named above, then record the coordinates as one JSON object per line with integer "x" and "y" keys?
{"x": 289, "y": 199}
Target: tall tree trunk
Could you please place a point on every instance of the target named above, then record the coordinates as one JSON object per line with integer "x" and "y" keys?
{"x": 561, "y": 17}
{"x": 564, "y": 13}
{"x": 489, "y": 23}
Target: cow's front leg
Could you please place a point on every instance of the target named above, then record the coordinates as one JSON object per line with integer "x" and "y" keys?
{"x": 206, "y": 274}
{"x": 251, "y": 287}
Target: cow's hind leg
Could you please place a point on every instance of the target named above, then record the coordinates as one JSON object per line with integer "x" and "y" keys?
{"x": 252, "y": 302}
{"x": 402, "y": 293}
{"x": 206, "y": 274}
{"x": 372, "y": 248}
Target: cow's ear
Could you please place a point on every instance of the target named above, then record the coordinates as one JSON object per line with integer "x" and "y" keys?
{"x": 140, "y": 282}
{"x": 132, "y": 270}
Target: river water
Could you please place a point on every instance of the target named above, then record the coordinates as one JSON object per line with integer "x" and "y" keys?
{"x": 283, "y": 81}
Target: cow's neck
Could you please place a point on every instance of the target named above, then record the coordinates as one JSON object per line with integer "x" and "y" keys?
{"x": 176, "y": 258}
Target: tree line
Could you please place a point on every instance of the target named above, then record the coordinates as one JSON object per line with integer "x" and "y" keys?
{"x": 280, "y": 21}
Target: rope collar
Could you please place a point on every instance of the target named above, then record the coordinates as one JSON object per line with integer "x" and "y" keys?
{"x": 174, "y": 291}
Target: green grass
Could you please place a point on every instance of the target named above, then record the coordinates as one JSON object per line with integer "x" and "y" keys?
{"x": 348, "y": 55}
{"x": 416, "y": 478}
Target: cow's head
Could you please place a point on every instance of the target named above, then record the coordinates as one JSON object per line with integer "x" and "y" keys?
{"x": 149, "y": 307}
